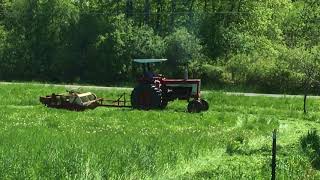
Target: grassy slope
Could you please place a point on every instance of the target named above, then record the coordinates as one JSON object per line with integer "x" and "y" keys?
{"x": 230, "y": 141}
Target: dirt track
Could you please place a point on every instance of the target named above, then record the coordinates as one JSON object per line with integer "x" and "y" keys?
{"x": 125, "y": 88}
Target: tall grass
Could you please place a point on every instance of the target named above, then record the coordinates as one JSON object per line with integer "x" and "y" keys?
{"x": 230, "y": 141}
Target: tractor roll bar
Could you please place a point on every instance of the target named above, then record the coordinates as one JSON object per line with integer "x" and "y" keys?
{"x": 146, "y": 61}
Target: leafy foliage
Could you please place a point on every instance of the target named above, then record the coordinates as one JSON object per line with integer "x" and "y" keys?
{"x": 183, "y": 48}
{"x": 249, "y": 43}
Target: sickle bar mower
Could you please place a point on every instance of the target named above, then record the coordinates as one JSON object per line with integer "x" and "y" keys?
{"x": 80, "y": 101}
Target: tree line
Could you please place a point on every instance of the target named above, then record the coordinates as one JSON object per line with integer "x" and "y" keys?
{"x": 272, "y": 45}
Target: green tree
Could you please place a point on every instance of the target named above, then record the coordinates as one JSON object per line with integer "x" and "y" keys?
{"x": 3, "y": 42}
{"x": 37, "y": 30}
{"x": 183, "y": 48}
{"x": 306, "y": 67}
{"x": 124, "y": 43}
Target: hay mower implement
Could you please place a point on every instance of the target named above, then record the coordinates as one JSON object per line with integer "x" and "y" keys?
{"x": 81, "y": 101}
{"x": 153, "y": 91}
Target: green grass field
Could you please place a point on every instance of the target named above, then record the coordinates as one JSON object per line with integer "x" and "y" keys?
{"x": 230, "y": 141}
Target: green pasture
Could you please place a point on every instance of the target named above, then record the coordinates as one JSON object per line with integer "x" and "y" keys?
{"x": 230, "y": 141}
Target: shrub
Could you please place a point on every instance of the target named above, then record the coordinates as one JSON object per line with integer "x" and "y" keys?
{"x": 264, "y": 125}
{"x": 213, "y": 74}
{"x": 238, "y": 66}
{"x": 310, "y": 144}
{"x": 237, "y": 145}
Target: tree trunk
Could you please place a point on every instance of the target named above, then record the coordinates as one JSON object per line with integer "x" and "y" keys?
{"x": 213, "y": 5}
{"x": 172, "y": 17}
{"x": 191, "y": 12}
{"x": 147, "y": 7}
{"x": 158, "y": 17}
{"x": 2, "y": 12}
{"x": 129, "y": 8}
{"x": 305, "y": 103}
{"x": 239, "y": 6}
{"x": 118, "y": 7}
{"x": 205, "y": 5}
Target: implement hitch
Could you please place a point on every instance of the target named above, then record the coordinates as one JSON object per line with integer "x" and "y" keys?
{"x": 120, "y": 102}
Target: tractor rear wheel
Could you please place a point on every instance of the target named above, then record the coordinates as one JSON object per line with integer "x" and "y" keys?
{"x": 164, "y": 104}
{"x": 205, "y": 105}
{"x": 194, "y": 106}
{"x": 146, "y": 96}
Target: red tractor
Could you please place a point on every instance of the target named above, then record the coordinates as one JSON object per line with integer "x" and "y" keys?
{"x": 154, "y": 91}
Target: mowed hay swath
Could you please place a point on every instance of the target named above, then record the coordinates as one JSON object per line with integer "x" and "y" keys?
{"x": 230, "y": 141}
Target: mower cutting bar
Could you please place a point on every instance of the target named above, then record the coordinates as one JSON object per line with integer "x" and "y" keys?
{"x": 120, "y": 102}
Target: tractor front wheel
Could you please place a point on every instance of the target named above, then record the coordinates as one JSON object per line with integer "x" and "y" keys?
{"x": 205, "y": 105}
{"x": 194, "y": 106}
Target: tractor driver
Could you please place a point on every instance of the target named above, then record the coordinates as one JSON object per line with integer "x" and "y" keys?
{"x": 147, "y": 72}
